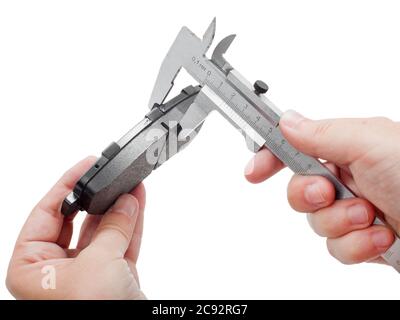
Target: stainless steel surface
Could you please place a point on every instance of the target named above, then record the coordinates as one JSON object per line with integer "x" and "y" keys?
{"x": 219, "y": 51}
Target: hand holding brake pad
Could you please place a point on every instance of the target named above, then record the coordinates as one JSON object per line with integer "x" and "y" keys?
{"x": 124, "y": 164}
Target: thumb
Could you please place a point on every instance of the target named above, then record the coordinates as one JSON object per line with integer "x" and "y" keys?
{"x": 341, "y": 141}
{"x": 115, "y": 230}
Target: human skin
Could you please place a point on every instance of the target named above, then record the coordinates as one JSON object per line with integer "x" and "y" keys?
{"x": 365, "y": 155}
{"x": 102, "y": 266}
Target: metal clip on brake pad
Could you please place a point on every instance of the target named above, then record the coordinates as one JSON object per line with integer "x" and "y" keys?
{"x": 124, "y": 164}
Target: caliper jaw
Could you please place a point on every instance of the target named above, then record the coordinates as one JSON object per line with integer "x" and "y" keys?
{"x": 124, "y": 164}
{"x": 184, "y": 52}
{"x": 174, "y": 60}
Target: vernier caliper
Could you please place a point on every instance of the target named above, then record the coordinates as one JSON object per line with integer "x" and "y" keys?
{"x": 170, "y": 126}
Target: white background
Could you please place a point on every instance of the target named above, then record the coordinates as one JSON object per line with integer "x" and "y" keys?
{"x": 76, "y": 75}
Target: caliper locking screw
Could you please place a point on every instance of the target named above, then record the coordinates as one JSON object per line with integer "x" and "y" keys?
{"x": 260, "y": 87}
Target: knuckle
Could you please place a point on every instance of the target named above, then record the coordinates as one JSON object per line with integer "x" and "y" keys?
{"x": 378, "y": 124}
{"x": 384, "y": 121}
{"x": 322, "y": 127}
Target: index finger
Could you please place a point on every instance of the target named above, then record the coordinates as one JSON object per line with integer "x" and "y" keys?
{"x": 45, "y": 221}
{"x": 262, "y": 166}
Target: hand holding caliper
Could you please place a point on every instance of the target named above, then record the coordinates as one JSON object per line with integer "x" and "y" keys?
{"x": 168, "y": 127}
{"x": 365, "y": 154}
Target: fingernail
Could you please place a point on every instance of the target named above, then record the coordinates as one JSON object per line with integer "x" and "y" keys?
{"x": 382, "y": 240}
{"x": 248, "y": 170}
{"x": 291, "y": 119}
{"x": 313, "y": 194}
{"x": 357, "y": 214}
{"x": 126, "y": 204}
